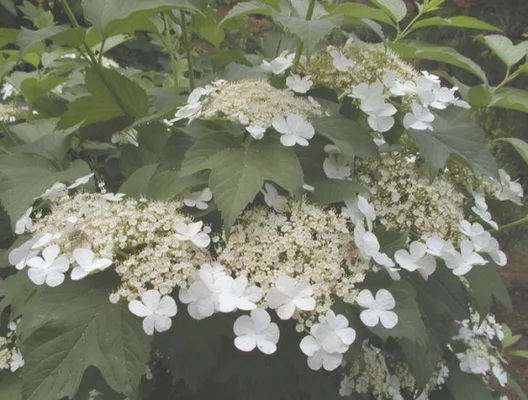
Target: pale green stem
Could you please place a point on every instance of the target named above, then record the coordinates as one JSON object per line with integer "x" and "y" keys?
{"x": 188, "y": 53}
{"x": 300, "y": 44}
{"x": 513, "y": 224}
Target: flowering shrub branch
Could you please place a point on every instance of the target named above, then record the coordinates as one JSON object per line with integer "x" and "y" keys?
{"x": 293, "y": 216}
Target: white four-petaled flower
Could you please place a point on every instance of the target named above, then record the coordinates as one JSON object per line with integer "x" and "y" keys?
{"x": 298, "y": 84}
{"x": 289, "y": 295}
{"x": 294, "y": 130}
{"x": 199, "y": 199}
{"x": 420, "y": 119}
{"x": 83, "y": 180}
{"x": 273, "y": 199}
{"x": 257, "y": 331}
{"x": 49, "y": 268}
{"x": 239, "y": 296}
{"x": 327, "y": 342}
{"x": 24, "y": 223}
{"x": 461, "y": 263}
{"x": 56, "y": 190}
{"x": 113, "y": 197}
{"x": 416, "y": 259}
{"x": 340, "y": 61}
{"x": 155, "y": 310}
{"x": 192, "y": 232}
{"x": 87, "y": 263}
{"x": 335, "y": 167}
{"x": 378, "y": 309}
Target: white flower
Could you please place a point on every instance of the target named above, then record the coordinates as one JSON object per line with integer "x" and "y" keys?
{"x": 87, "y": 263}
{"x": 340, "y": 61}
{"x": 420, "y": 118}
{"x": 190, "y": 112}
{"x": 364, "y": 91}
{"x": 56, "y": 190}
{"x": 294, "y": 130}
{"x": 461, "y": 263}
{"x": 17, "y": 361}
{"x": 289, "y": 295}
{"x": 239, "y": 296}
{"x": 196, "y": 95}
{"x": 378, "y": 309}
{"x": 366, "y": 242}
{"x": 308, "y": 188}
{"x": 113, "y": 197}
{"x": 202, "y": 296}
{"x": 19, "y": 256}
{"x": 256, "y": 331}
{"x": 367, "y": 210}
{"x": 351, "y": 210}
{"x": 471, "y": 230}
{"x": 479, "y": 197}
{"x": 380, "y": 113}
{"x": 333, "y": 333}
{"x": 157, "y": 311}
{"x": 437, "y": 247}
{"x": 280, "y": 64}
{"x": 433, "y": 78}
{"x": 256, "y": 132}
{"x": 298, "y": 84}
{"x": 317, "y": 356}
{"x": 473, "y": 364}
{"x": 498, "y": 256}
{"x": 7, "y": 90}
{"x": 335, "y": 167}
{"x": 199, "y": 199}
{"x": 416, "y": 259}
{"x": 346, "y": 387}
{"x": 83, "y": 180}
{"x": 500, "y": 374}
{"x": 273, "y": 199}
{"x": 396, "y": 87}
{"x": 485, "y": 216}
{"x": 49, "y": 268}
{"x": 510, "y": 190}
{"x": 192, "y": 232}
{"x": 24, "y": 223}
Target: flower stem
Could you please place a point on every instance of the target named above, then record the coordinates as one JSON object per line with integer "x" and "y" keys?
{"x": 187, "y": 45}
{"x": 75, "y": 24}
{"x": 169, "y": 46}
{"x": 8, "y": 133}
{"x": 300, "y": 44}
{"x": 513, "y": 224}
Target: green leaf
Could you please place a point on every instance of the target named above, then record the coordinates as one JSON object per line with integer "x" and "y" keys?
{"x": 33, "y": 88}
{"x": 519, "y": 353}
{"x": 191, "y": 348}
{"x": 34, "y": 129}
{"x": 72, "y": 327}
{"x": 467, "y": 386}
{"x": 503, "y": 48}
{"x": 153, "y": 145}
{"x": 24, "y": 177}
{"x": 456, "y": 135}
{"x": 112, "y": 95}
{"x": 74, "y": 37}
{"x": 247, "y": 8}
{"x": 10, "y": 387}
{"x": 137, "y": 184}
{"x": 8, "y": 36}
{"x": 110, "y": 17}
{"x": 16, "y": 290}
{"x": 331, "y": 191}
{"x": 395, "y": 8}
{"x": 238, "y": 171}
{"x": 511, "y": 98}
{"x": 514, "y": 386}
{"x": 458, "y": 21}
{"x": 358, "y": 10}
{"x": 520, "y": 145}
{"x": 409, "y": 49}
{"x": 485, "y": 282}
{"x": 28, "y": 39}
{"x": 410, "y": 324}
{"x": 352, "y": 139}
{"x": 391, "y": 241}
{"x": 310, "y": 32}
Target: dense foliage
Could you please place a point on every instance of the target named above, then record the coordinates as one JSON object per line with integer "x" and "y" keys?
{"x": 286, "y": 210}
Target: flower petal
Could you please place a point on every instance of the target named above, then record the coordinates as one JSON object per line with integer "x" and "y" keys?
{"x": 136, "y": 307}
